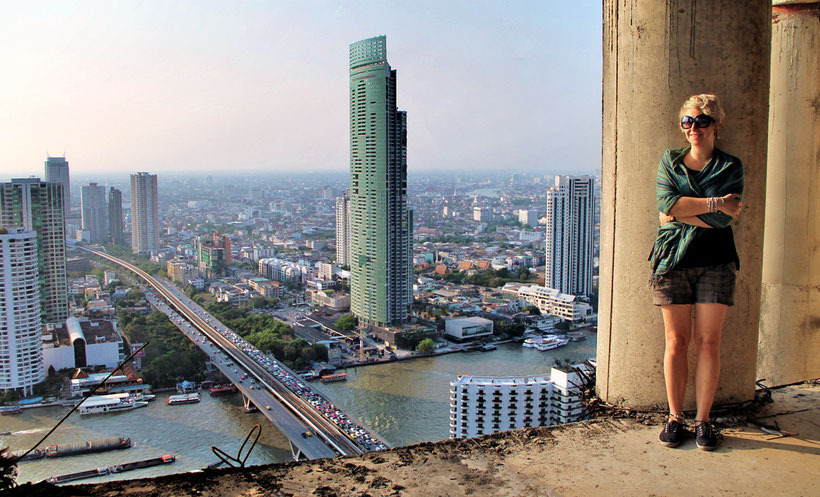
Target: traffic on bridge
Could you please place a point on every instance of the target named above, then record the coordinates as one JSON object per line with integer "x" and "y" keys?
{"x": 316, "y": 415}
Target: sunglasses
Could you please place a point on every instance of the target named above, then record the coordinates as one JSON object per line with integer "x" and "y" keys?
{"x": 702, "y": 121}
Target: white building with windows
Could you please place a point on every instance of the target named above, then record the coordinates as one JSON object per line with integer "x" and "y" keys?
{"x": 21, "y": 353}
{"x": 480, "y": 405}
{"x": 551, "y": 301}
{"x": 468, "y": 328}
{"x": 569, "y": 235}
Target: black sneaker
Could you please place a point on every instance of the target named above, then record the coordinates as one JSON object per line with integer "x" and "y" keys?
{"x": 706, "y": 437}
{"x": 672, "y": 434}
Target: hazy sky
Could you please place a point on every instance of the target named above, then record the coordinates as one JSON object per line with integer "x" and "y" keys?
{"x": 210, "y": 86}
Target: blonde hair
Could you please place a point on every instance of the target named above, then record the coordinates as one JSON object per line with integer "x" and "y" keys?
{"x": 708, "y": 104}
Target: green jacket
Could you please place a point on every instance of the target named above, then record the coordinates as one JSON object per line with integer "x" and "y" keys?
{"x": 721, "y": 176}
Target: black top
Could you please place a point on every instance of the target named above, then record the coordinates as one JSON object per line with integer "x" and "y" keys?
{"x": 711, "y": 247}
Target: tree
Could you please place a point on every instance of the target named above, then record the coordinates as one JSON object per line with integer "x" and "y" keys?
{"x": 426, "y": 346}
{"x": 190, "y": 291}
{"x": 562, "y": 325}
{"x": 346, "y": 322}
{"x": 8, "y": 470}
{"x": 535, "y": 311}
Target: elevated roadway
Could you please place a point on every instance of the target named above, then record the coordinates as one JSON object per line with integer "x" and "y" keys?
{"x": 291, "y": 413}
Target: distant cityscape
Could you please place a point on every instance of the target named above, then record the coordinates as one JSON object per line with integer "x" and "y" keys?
{"x": 307, "y": 273}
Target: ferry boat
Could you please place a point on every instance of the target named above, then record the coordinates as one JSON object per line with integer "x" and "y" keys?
{"x": 576, "y": 336}
{"x": 101, "y": 404}
{"x": 488, "y": 346}
{"x": 333, "y": 377}
{"x": 187, "y": 398}
{"x": 223, "y": 389}
{"x": 550, "y": 343}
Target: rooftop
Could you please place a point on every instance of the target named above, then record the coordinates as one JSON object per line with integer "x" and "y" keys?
{"x": 605, "y": 456}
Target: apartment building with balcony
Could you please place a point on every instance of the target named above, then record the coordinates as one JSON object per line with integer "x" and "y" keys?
{"x": 480, "y": 405}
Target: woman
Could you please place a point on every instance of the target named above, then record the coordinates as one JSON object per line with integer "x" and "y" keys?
{"x": 694, "y": 260}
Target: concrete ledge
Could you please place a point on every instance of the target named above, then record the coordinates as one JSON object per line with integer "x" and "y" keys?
{"x": 598, "y": 457}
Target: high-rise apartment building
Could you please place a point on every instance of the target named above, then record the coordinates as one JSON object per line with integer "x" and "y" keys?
{"x": 144, "y": 213}
{"x": 57, "y": 172}
{"x": 569, "y": 235}
{"x": 381, "y": 226}
{"x": 37, "y": 206}
{"x": 343, "y": 229}
{"x": 21, "y": 350}
{"x": 483, "y": 405}
{"x": 93, "y": 208}
{"x": 116, "y": 229}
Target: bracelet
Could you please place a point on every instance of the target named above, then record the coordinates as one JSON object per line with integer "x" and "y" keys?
{"x": 713, "y": 204}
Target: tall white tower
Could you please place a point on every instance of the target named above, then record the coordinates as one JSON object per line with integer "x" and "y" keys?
{"x": 343, "y": 230}
{"x": 21, "y": 350}
{"x": 569, "y": 235}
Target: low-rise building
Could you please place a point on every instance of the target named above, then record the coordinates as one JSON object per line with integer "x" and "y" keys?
{"x": 336, "y": 301}
{"x": 551, "y": 301}
{"x": 78, "y": 344}
{"x": 468, "y": 328}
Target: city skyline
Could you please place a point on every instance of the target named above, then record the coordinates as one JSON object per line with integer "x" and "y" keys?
{"x": 241, "y": 96}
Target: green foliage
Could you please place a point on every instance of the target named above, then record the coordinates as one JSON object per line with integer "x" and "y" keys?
{"x": 410, "y": 339}
{"x": 8, "y": 471}
{"x": 171, "y": 356}
{"x": 346, "y": 322}
{"x": 562, "y": 325}
{"x": 509, "y": 329}
{"x": 9, "y": 396}
{"x": 190, "y": 291}
{"x": 264, "y": 303}
{"x": 426, "y": 346}
{"x": 535, "y": 311}
{"x": 267, "y": 334}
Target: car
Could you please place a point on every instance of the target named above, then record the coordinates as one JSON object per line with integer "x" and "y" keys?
{"x": 306, "y": 434}
{"x": 267, "y": 407}
{"x": 251, "y": 387}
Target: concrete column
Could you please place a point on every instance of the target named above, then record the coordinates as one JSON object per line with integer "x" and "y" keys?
{"x": 789, "y": 349}
{"x": 656, "y": 54}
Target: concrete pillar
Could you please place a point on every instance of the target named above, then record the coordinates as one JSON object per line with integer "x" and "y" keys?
{"x": 656, "y": 54}
{"x": 789, "y": 348}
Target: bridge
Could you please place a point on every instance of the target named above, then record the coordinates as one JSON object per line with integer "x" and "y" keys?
{"x": 313, "y": 425}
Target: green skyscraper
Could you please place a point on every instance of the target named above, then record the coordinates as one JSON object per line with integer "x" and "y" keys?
{"x": 381, "y": 228}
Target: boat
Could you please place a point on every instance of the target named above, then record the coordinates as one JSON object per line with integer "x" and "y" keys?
{"x": 117, "y": 468}
{"x": 550, "y": 343}
{"x": 11, "y": 409}
{"x": 489, "y": 346}
{"x": 576, "y": 336}
{"x": 187, "y": 398}
{"x": 102, "y": 404}
{"x": 63, "y": 450}
{"x": 223, "y": 389}
{"x": 333, "y": 377}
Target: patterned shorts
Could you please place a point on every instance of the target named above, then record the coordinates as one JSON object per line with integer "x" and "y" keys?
{"x": 696, "y": 285}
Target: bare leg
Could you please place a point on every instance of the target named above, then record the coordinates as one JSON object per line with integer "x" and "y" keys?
{"x": 708, "y": 326}
{"x": 677, "y": 321}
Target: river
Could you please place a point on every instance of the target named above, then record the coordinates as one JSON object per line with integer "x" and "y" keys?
{"x": 405, "y": 402}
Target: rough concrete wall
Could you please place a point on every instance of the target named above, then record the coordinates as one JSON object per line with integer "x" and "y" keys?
{"x": 657, "y": 54}
{"x": 789, "y": 348}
